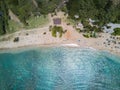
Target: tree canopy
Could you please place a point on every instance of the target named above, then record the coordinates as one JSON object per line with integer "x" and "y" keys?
{"x": 103, "y": 10}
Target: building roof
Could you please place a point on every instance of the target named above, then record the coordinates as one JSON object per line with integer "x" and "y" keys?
{"x": 57, "y": 20}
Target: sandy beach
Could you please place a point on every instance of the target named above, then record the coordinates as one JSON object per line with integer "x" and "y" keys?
{"x": 70, "y": 39}
{"x": 42, "y": 36}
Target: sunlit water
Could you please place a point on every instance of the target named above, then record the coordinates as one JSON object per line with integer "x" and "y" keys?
{"x": 59, "y": 68}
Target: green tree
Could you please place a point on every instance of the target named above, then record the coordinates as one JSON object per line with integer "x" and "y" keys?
{"x": 22, "y": 8}
{"x": 104, "y": 11}
{"x": 48, "y": 6}
{"x": 4, "y": 17}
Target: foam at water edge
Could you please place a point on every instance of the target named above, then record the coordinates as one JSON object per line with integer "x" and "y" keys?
{"x": 70, "y": 45}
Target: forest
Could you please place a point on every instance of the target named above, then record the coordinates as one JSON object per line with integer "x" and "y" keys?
{"x": 24, "y": 9}
{"x": 102, "y": 10}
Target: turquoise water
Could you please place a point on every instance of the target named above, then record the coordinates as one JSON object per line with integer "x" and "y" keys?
{"x": 59, "y": 68}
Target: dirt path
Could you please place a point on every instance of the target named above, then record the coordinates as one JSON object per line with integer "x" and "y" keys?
{"x": 13, "y": 16}
{"x": 35, "y": 3}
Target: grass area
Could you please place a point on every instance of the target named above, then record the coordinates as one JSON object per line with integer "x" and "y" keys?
{"x": 116, "y": 31}
{"x": 35, "y": 22}
{"x": 70, "y": 21}
{"x": 14, "y": 26}
{"x": 57, "y": 29}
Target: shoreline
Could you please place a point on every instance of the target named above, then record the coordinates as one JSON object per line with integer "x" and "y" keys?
{"x": 72, "y": 38}
{"x": 69, "y": 45}
{"x": 37, "y": 39}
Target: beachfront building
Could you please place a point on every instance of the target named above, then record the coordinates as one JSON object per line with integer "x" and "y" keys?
{"x": 57, "y": 21}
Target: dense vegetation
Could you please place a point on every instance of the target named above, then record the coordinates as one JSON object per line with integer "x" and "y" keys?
{"x": 47, "y": 6}
{"x": 24, "y": 10}
{"x": 3, "y": 17}
{"x": 57, "y": 30}
{"x": 102, "y": 10}
{"x": 116, "y": 31}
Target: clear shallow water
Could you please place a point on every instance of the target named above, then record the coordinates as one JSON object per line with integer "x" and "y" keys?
{"x": 59, "y": 68}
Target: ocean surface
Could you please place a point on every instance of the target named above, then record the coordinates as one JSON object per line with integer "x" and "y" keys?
{"x": 59, "y": 68}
